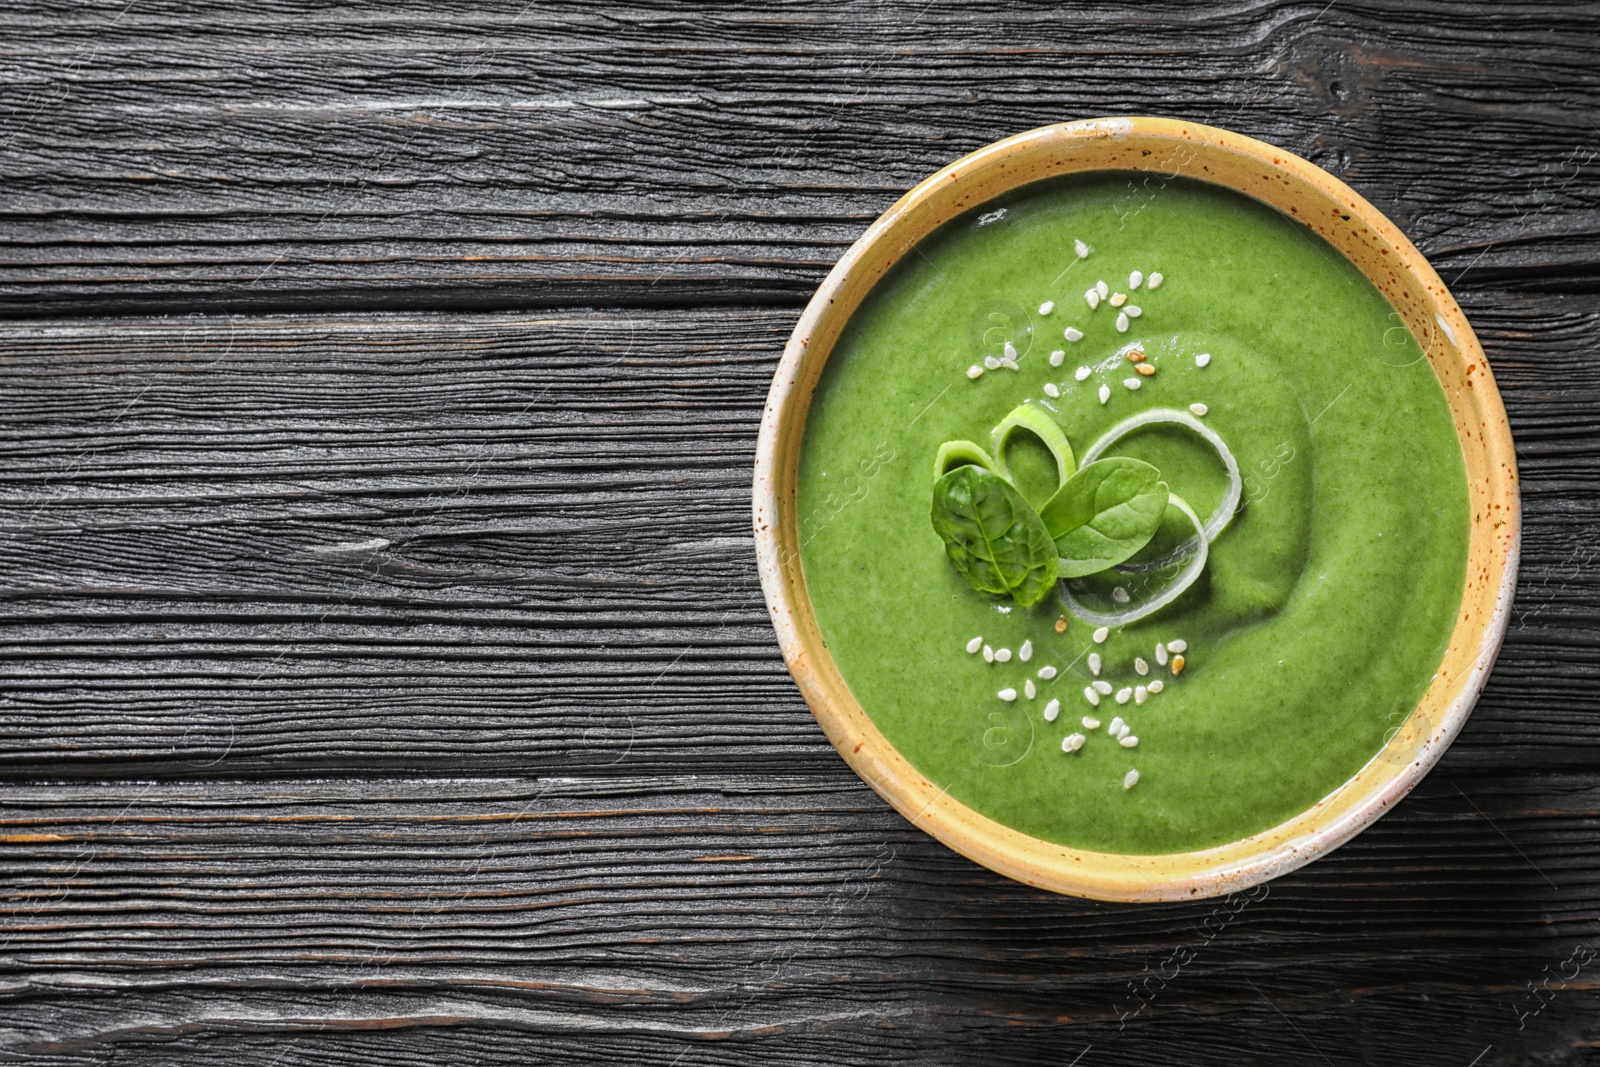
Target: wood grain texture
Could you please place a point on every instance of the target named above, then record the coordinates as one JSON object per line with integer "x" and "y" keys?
{"x": 174, "y": 157}
{"x": 772, "y": 911}
{"x": 296, "y": 545}
{"x": 383, "y": 672}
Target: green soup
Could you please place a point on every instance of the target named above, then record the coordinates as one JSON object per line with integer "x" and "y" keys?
{"x": 1324, "y": 607}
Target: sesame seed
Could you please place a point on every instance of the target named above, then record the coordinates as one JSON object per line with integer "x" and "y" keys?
{"x": 1081, "y": 373}
{"x": 1091, "y": 696}
{"x": 1161, "y": 654}
{"x": 1072, "y": 742}
{"x": 1072, "y": 333}
{"x": 1124, "y": 694}
{"x": 1117, "y": 299}
{"x": 975, "y": 644}
{"x": 1135, "y": 356}
{"x": 1009, "y": 364}
{"x": 988, "y": 654}
{"x": 1058, "y": 357}
{"x": 1157, "y": 686}
{"x": 1146, "y": 369}
{"x": 1080, "y": 248}
{"x": 991, "y": 362}
{"x": 1102, "y": 288}
{"x": 1029, "y": 689}
{"x": 1047, "y": 672}
{"x": 1092, "y": 297}
{"x": 1119, "y": 594}
{"x": 1008, "y": 695}
{"x": 1102, "y": 687}
{"x": 1105, "y": 393}
{"x": 1122, "y": 322}
{"x": 1051, "y": 710}
{"x": 1140, "y": 694}
{"x": 1131, "y": 779}
{"x": 1177, "y": 665}
{"x": 1131, "y": 383}
{"x": 1133, "y": 311}
{"x": 1002, "y": 655}
{"x": 1101, "y": 634}
{"x": 1130, "y": 741}
{"x": 1010, "y": 351}
{"x": 1199, "y": 409}
{"x": 1025, "y": 653}
{"x": 1123, "y": 731}
{"x": 1202, "y": 359}
{"x": 1047, "y": 307}
{"x": 1116, "y": 725}
{"x": 975, "y": 372}
{"x": 1140, "y": 665}
{"x": 1094, "y": 664}
{"x": 1090, "y": 722}
{"x": 1135, "y": 279}
{"x": 1061, "y": 625}
{"x": 1178, "y": 646}
{"x": 1155, "y": 281}
{"x": 1051, "y": 391}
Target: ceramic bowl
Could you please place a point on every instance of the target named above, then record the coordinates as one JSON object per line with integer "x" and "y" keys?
{"x": 1358, "y": 230}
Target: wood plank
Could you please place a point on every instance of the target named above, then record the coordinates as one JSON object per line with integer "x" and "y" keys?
{"x": 501, "y": 543}
{"x": 778, "y": 915}
{"x": 177, "y": 157}
{"x": 516, "y": 544}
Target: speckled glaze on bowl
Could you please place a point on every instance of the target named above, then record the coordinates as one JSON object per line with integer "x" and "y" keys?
{"x": 1304, "y": 192}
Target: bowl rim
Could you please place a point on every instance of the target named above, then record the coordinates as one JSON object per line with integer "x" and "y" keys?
{"x": 1259, "y": 170}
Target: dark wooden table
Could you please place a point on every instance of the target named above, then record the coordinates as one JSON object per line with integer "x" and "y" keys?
{"x": 385, "y": 677}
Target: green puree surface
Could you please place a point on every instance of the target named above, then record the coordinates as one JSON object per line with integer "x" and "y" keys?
{"x": 1325, "y": 607}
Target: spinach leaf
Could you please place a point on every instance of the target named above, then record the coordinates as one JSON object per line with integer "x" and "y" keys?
{"x": 1104, "y": 514}
{"x": 994, "y": 537}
